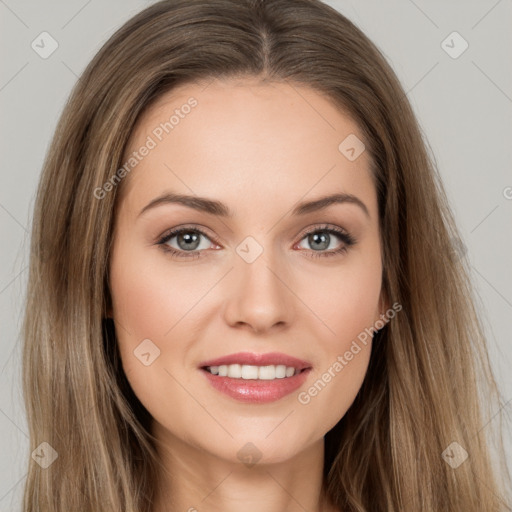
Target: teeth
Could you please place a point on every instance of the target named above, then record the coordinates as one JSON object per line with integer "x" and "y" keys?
{"x": 245, "y": 371}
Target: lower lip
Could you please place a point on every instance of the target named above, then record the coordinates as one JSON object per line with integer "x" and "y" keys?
{"x": 257, "y": 391}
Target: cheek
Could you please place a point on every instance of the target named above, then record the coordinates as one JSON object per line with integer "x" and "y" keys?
{"x": 348, "y": 308}
{"x": 150, "y": 301}
{"x": 344, "y": 360}
{"x": 150, "y": 296}
{"x": 346, "y": 300}
{"x": 146, "y": 305}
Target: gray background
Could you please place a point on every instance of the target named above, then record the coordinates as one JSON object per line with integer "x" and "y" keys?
{"x": 464, "y": 106}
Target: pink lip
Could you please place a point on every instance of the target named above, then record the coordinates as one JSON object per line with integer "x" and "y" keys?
{"x": 256, "y": 391}
{"x": 270, "y": 358}
{"x": 252, "y": 390}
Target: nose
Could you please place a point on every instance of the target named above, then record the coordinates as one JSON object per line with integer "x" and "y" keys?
{"x": 259, "y": 297}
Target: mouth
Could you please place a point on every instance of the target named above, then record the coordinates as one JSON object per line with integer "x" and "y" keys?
{"x": 256, "y": 378}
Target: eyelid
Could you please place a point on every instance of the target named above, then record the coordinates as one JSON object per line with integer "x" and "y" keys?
{"x": 323, "y": 227}
{"x": 187, "y": 227}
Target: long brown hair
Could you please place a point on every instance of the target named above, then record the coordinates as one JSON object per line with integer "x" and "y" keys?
{"x": 429, "y": 368}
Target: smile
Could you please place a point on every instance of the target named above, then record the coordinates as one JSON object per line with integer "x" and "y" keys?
{"x": 256, "y": 378}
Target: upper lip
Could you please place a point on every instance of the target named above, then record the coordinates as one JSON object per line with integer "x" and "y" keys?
{"x": 249, "y": 358}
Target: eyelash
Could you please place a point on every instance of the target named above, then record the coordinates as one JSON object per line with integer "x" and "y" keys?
{"x": 348, "y": 240}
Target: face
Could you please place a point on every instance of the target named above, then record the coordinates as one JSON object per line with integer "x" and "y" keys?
{"x": 251, "y": 271}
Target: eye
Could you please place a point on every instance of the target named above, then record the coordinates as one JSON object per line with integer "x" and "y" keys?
{"x": 188, "y": 241}
{"x": 321, "y": 238}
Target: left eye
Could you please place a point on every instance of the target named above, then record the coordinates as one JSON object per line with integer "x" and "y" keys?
{"x": 321, "y": 239}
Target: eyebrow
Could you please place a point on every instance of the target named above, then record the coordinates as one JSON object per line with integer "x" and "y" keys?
{"x": 219, "y": 209}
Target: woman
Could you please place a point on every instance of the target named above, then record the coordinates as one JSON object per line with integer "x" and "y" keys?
{"x": 243, "y": 287}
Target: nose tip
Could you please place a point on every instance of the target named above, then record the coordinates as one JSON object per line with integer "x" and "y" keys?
{"x": 258, "y": 299}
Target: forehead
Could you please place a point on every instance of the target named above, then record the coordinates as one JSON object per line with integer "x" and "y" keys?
{"x": 234, "y": 138}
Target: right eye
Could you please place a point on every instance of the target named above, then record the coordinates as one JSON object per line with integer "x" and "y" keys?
{"x": 188, "y": 240}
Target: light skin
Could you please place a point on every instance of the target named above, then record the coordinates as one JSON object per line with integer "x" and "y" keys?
{"x": 260, "y": 149}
